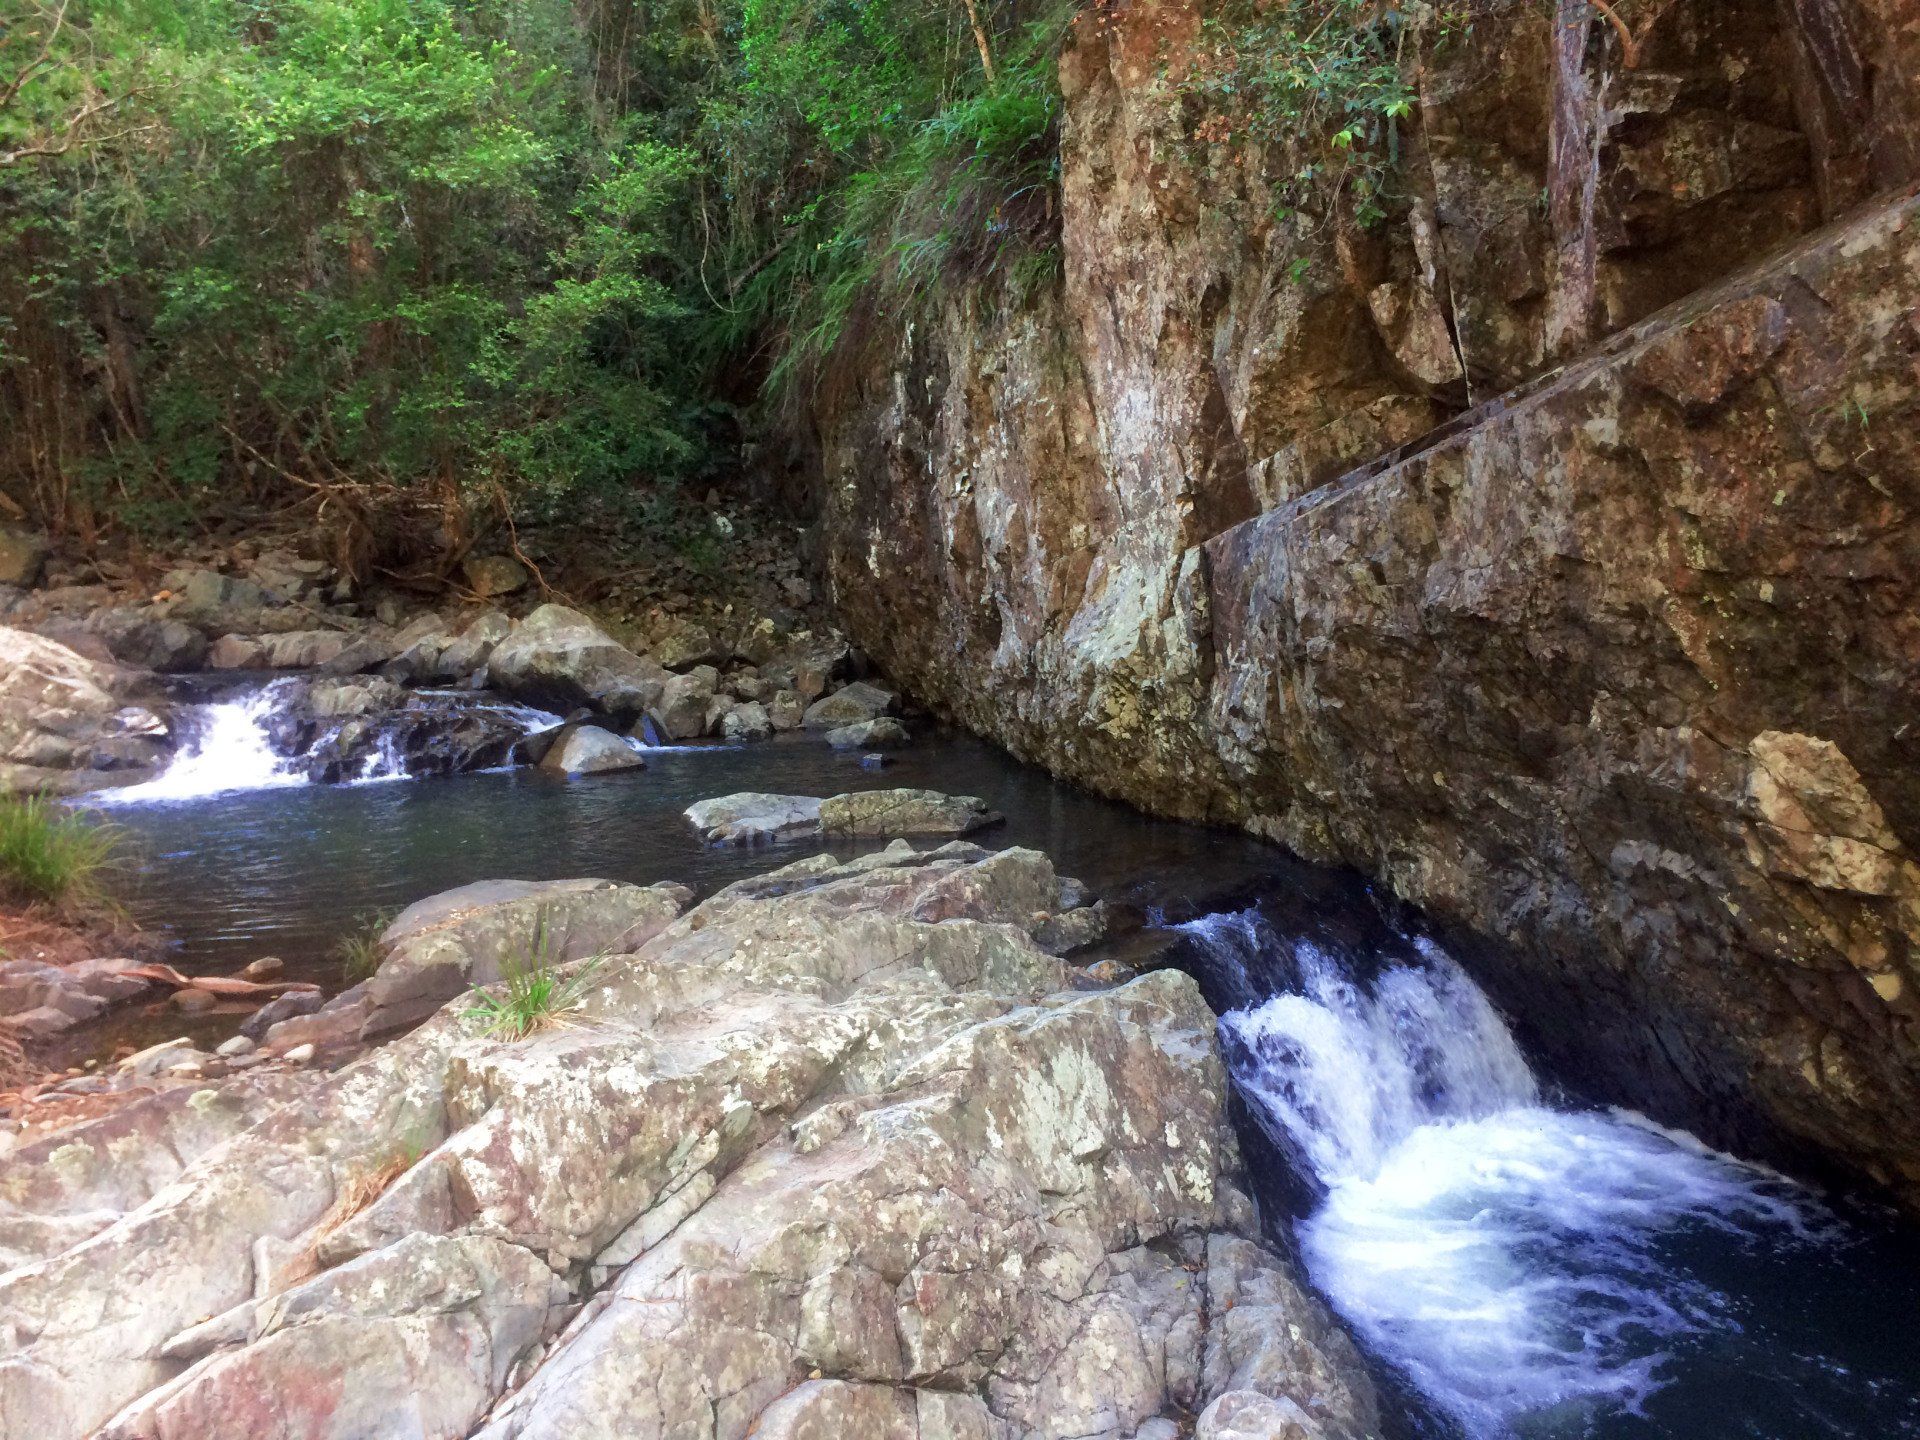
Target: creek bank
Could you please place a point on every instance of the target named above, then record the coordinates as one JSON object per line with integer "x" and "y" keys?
{"x": 862, "y": 1122}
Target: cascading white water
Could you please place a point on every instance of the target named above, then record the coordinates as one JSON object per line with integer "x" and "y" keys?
{"x": 1506, "y": 1255}
{"x": 231, "y": 751}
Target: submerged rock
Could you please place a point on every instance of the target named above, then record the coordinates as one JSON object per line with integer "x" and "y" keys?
{"x": 803, "y": 1164}
{"x": 885, "y": 733}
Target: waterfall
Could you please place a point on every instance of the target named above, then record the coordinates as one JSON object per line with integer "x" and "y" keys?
{"x": 230, "y": 750}
{"x": 1512, "y": 1258}
{"x": 235, "y": 744}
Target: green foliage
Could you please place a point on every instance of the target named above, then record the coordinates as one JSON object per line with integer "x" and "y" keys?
{"x": 50, "y": 855}
{"x": 534, "y": 991}
{"x": 358, "y": 951}
{"x": 403, "y": 264}
{"x": 382, "y": 258}
{"x": 1326, "y": 81}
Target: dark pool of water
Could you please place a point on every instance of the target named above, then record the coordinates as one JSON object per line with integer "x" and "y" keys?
{"x": 231, "y": 877}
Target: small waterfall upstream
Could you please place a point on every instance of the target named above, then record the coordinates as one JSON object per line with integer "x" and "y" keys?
{"x": 243, "y": 742}
{"x": 1531, "y": 1269}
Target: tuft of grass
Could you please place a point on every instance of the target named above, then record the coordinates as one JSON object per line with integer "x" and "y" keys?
{"x": 533, "y": 992}
{"x": 359, "y": 949}
{"x": 50, "y": 855}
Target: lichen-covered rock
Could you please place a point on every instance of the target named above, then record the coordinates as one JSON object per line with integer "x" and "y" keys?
{"x": 684, "y": 705}
{"x": 437, "y": 948}
{"x": 746, "y": 721}
{"x": 887, "y": 813}
{"x": 291, "y": 650}
{"x": 801, "y": 1166}
{"x": 886, "y": 733}
{"x": 852, "y": 704}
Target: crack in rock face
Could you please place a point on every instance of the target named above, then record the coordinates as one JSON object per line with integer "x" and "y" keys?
{"x": 834, "y": 1153}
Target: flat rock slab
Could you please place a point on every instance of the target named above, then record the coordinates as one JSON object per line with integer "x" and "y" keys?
{"x": 754, "y": 817}
{"x": 885, "y": 814}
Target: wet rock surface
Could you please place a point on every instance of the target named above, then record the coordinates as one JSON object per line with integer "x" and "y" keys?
{"x": 833, "y": 1150}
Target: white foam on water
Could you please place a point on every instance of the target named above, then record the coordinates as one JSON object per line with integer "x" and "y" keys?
{"x": 232, "y": 752}
{"x": 1506, "y": 1255}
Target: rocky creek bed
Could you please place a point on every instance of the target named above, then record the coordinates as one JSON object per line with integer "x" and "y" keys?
{"x": 854, "y": 1134}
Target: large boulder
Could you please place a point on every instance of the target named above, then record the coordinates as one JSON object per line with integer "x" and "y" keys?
{"x": 684, "y": 643}
{"x": 684, "y": 707}
{"x": 207, "y": 594}
{"x": 148, "y": 639}
{"x": 560, "y": 659}
{"x": 747, "y": 721}
{"x": 437, "y": 948}
{"x": 473, "y": 646}
{"x": 290, "y": 650}
{"x": 851, "y": 705}
{"x": 802, "y": 1165}
{"x": 491, "y": 576}
{"x": 589, "y": 750}
{"x": 68, "y": 724}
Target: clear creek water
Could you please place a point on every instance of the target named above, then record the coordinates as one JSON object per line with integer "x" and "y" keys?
{"x": 1517, "y": 1265}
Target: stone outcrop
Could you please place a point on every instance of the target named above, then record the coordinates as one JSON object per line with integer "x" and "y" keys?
{"x": 69, "y": 724}
{"x": 803, "y": 1164}
{"x": 1617, "y": 668}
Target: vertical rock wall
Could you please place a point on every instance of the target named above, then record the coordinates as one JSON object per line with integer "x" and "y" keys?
{"x": 1443, "y": 550}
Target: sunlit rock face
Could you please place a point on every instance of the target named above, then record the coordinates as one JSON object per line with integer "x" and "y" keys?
{"x": 836, "y": 1152}
{"x": 1228, "y": 521}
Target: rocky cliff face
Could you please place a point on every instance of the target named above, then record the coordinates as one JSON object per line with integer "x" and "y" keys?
{"x": 1548, "y": 550}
